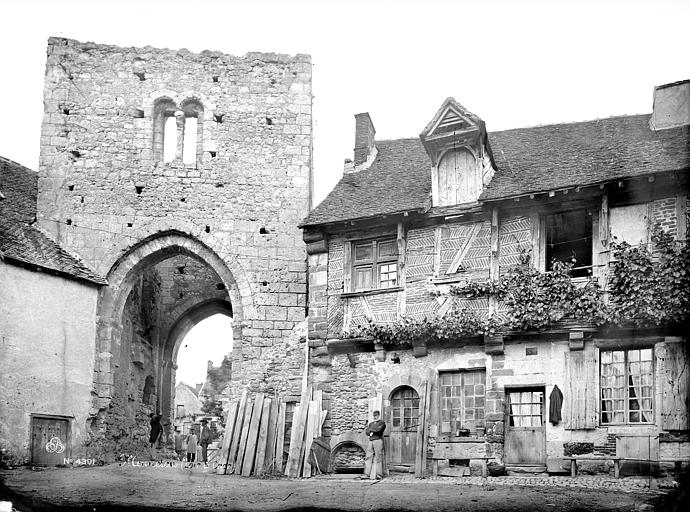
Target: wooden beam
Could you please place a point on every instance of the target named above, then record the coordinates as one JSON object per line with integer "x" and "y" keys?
{"x": 253, "y": 437}
{"x": 402, "y": 270}
{"x": 230, "y": 420}
{"x": 313, "y": 417}
{"x": 262, "y": 441}
{"x": 243, "y": 437}
{"x": 418, "y": 459}
{"x": 280, "y": 439}
{"x": 494, "y": 258}
{"x": 438, "y": 233}
{"x": 462, "y": 252}
{"x": 269, "y": 459}
{"x": 236, "y": 434}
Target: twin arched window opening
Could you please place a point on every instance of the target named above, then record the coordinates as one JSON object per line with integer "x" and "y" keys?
{"x": 177, "y": 131}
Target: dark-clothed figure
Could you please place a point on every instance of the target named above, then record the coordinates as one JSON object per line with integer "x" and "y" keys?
{"x": 180, "y": 447}
{"x": 373, "y": 465}
{"x": 156, "y": 430}
{"x": 205, "y": 440}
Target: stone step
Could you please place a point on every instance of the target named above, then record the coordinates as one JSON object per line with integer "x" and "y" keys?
{"x": 524, "y": 469}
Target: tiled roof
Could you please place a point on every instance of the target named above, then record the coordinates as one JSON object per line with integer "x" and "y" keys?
{"x": 547, "y": 157}
{"x": 24, "y": 243}
{"x": 528, "y": 160}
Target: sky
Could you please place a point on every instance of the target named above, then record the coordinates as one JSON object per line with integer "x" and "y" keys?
{"x": 209, "y": 340}
{"x": 513, "y": 63}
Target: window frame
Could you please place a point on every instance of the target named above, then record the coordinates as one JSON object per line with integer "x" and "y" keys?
{"x": 543, "y": 263}
{"x": 374, "y": 263}
{"x": 627, "y": 398}
{"x": 478, "y": 422}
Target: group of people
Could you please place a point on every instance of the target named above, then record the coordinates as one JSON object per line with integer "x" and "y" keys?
{"x": 373, "y": 463}
{"x": 183, "y": 444}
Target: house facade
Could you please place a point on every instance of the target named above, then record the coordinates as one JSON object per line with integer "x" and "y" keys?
{"x": 407, "y": 259}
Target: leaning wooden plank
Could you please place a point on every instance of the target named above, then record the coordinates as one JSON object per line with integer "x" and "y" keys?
{"x": 296, "y": 437}
{"x": 318, "y": 398}
{"x": 230, "y": 419}
{"x": 243, "y": 437}
{"x": 250, "y": 450}
{"x": 280, "y": 439}
{"x": 263, "y": 437}
{"x": 312, "y": 416}
{"x": 234, "y": 445}
{"x": 269, "y": 459}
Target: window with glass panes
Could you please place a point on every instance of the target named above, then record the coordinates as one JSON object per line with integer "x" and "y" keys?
{"x": 374, "y": 264}
{"x": 627, "y": 386}
{"x": 526, "y": 408}
{"x": 405, "y": 409}
{"x": 462, "y": 400}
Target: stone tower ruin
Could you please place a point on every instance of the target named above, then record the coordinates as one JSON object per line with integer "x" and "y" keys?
{"x": 181, "y": 178}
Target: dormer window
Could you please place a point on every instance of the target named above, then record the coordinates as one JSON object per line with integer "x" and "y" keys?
{"x": 457, "y": 178}
{"x": 454, "y": 141}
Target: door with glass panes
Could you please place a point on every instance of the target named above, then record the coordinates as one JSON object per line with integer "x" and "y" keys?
{"x": 404, "y": 421}
{"x": 525, "y": 434}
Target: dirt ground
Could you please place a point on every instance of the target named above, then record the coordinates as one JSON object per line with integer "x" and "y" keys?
{"x": 117, "y": 487}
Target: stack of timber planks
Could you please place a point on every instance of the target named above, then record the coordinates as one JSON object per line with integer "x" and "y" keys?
{"x": 253, "y": 443}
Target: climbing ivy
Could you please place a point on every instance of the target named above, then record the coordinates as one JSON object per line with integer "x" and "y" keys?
{"x": 650, "y": 288}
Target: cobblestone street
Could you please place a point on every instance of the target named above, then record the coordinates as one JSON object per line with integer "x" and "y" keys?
{"x": 150, "y": 488}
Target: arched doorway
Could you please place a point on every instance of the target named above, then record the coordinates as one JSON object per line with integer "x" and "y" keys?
{"x": 158, "y": 290}
{"x": 404, "y": 419}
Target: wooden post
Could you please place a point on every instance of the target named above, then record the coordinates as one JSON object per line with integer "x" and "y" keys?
{"x": 269, "y": 461}
{"x": 494, "y": 258}
{"x": 420, "y": 458}
{"x": 250, "y": 451}
{"x": 243, "y": 437}
{"x": 402, "y": 258}
{"x": 313, "y": 417}
{"x": 230, "y": 420}
{"x": 280, "y": 438}
{"x": 263, "y": 438}
{"x": 234, "y": 446}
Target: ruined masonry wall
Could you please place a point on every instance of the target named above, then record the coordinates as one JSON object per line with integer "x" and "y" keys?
{"x": 101, "y": 189}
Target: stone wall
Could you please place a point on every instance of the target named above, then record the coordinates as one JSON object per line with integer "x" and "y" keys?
{"x": 106, "y": 192}
{"x": 39, "y": 331}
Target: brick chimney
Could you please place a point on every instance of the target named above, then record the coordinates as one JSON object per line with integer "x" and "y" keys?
{"x": 364, "y": 138}
{"x": 671, "y": 106}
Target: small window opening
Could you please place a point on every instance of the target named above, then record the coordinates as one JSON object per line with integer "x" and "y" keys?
{"x": 139, "y": 189}
{"x": 141, "y": 75}
{"x": 215, "y": 78}
{"x": 180, "y": 270}
{"x": 181, "y": 295}
{"x": 81, "y": 199}
{"x": 129, "y": 224}
{"x": 531, "y": 351}
{"x": 264, "y": 231}
{"x": 75, "y": 154}
{"x": 169, "y": 139}
{"x": 220, "y": 286}
{"x": 70, "y": 187}
{"x": 219, "y": 185}
{"x": 139, "y": 113}
{"x": 183, "y": 199}
{"x": 65, "y": 111}
{"x": 208, "y": 229}
{"x": 269, "y": 121}
{"x": 213, "y": 155}
{"x": 264, "y": 283}
{"x": 569, "y": 239}
{"x": 190, "y": 133}
{"x": 68, "y": 222}
{"x": 218, "y": 118}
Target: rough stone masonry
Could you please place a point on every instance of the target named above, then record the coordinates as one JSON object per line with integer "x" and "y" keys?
{"x": 151, "y": 154}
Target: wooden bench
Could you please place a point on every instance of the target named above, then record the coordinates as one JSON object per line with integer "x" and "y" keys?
{"x": 483, "y": 460}
{"x": 574, "y": 459}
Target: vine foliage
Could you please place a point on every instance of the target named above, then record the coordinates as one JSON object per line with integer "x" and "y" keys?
{"x": 645, "y": 288}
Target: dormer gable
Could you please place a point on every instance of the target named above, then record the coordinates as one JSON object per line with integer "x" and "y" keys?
{"x": 455, "y": 142}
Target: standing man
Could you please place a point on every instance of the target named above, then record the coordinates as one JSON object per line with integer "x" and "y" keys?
{"x": 204, "y": 440}
{"x": 374, "y": 469}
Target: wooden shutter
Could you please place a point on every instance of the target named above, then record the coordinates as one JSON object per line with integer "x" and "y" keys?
{"x": 581, "y": 389}
{"x": 673, "y": 379}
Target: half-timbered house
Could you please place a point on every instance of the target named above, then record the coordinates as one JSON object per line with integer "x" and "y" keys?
{"x": 412, "y": 221}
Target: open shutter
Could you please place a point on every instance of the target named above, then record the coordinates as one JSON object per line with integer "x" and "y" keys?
{"x": 581, "y": 390}
{"x": 673, "y": 377}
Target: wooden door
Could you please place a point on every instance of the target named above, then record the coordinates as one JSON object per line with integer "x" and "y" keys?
{"x": 49, "y": 441}
{"x": 404, "y": 422}
{"x": 525, "y": 436}
{"x": 644, "y": 452}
